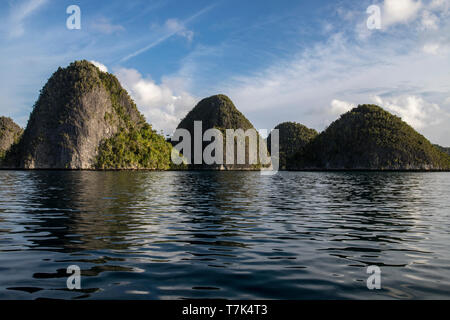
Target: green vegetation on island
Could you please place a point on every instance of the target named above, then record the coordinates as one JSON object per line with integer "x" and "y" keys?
{"x": 137, "y": 148}
{"x": 443, "y": 149}
{"x": 10, "y": 134}
{"x": 84, "y": 119}
{"x": 219, "y": 112}
{"x": 293, "y": 137}
{"x": 370, "y": 138}
{"x": 216, "y": 112}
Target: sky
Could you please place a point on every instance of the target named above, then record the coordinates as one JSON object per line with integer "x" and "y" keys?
{"x": 278, "y": 60}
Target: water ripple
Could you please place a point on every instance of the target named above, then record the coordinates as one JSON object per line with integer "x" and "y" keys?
{"x": 177, "y": 235}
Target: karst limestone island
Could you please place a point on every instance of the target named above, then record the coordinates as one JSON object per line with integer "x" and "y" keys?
{"x": 369, "y": 138}
{"x": 10, "y": 134}
{"x": 84, "y": 119}
{"x": 218, "y": 112}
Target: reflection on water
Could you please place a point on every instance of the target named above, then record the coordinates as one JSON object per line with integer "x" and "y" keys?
{"x": 160, "y": 235}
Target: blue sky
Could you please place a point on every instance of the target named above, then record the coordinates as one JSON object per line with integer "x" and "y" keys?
{"x": 303, "y": 61}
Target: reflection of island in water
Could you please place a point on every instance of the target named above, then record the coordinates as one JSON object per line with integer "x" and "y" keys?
{"x": 222, "y": 234}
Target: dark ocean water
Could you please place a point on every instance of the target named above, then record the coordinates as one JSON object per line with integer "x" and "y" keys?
{"x": 236, "y": 235}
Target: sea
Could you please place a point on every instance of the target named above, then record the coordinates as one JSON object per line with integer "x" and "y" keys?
{"x": 130, "y": 235}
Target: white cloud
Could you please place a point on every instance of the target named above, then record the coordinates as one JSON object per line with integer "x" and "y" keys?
{"x": 177, "y": 27}
{"x": 163, "y": 105}
{"x": 19, "y": 14}
{"x": 99, "y": 65}
{"x": 414, "y": 110}
{"x": 103, "y": 25}
{"x": 400, "y": 11}
{"x": 339, "y": 107}
{"x": 406, "y": 11}
{"x": 447, "y": 101}
{"x": 172, "y": 27}
{"x": 429, "y": 20}
{"x": 431, "y": 48}
{"x": 341, "y": 70}
{"x": 440, "y": 5}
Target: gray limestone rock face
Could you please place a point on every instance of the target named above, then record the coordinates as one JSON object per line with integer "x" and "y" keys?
{"x": 10, "y": 133}
{"x": 78, "y": 108}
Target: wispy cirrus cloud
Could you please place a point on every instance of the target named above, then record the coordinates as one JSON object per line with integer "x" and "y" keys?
{"x": 173, "y": 27}
{"x": 15, "y": 25}
{"x": 105, "y": 26}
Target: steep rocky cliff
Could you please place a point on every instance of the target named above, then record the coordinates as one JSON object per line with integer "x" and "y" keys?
{"x": 79, "y": 111}
{"x": 10, "y": 133}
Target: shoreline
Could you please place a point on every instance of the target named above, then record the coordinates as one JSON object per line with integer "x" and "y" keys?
{"x": 243, "y": 170}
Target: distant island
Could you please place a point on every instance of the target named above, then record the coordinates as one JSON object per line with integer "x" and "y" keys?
{"x": 370, "y": 138}
{"x": 443, "y": 149}
{"x": 84, "y": 120}
{"x": 293, "y": 137}
{"x": 219, "y": 112}
{"x": 10, "y": 134}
